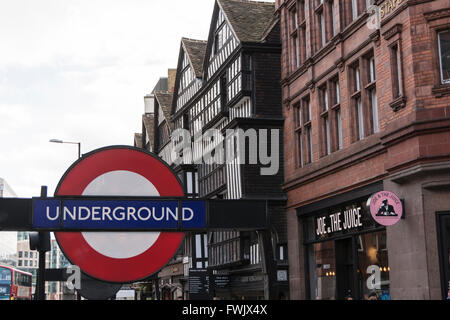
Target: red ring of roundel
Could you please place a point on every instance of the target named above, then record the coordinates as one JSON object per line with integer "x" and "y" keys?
{"x": 80, "y": 253}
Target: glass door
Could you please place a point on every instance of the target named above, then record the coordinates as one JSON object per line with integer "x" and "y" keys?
{"x": 345, "y": 269}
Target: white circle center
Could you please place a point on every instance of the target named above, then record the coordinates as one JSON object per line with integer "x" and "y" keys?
{"x": 120, "y": 245}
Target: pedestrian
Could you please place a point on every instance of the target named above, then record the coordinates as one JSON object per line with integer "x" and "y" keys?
{"x": 448, "y": 291}
{"x": 372, "y": 296}
{"x": 349, "y": 295}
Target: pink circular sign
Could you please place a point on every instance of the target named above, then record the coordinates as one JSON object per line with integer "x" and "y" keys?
{"x": 386, "y": 208}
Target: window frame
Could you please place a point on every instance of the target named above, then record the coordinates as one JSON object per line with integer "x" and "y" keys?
{"x": 302, "y": 127}
{"x": 369, "y": 70}
{"x": 442, "y": 80}
{"x": 297, "y": 32}
{"x": 355, "y": 93}
{"x": 325, "y": 126}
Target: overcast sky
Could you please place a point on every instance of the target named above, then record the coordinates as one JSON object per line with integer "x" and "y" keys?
{"x": 77, "y": 70}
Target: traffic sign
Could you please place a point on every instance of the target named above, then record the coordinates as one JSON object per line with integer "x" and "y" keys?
{"x": 116, "y": 171}
{"x": 118, "y": 214}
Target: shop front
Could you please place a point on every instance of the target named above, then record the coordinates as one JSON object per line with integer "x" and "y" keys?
{"x": 346, "y": 253}
{"x": 443, "y": 224}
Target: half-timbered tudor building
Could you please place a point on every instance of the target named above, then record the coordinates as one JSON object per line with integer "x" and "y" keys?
{"x": 169, "y": 282}
{"x": 232, "y": 81}
{"x": 145, "y": 139}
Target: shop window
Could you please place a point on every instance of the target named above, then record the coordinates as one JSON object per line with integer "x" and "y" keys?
{"x": 346, "y": 258}
{"x": 322, "y": 271}
{"x": 332, "y": 274}
{"x": 374, "y": 253}
{"x": 443, "y": 231}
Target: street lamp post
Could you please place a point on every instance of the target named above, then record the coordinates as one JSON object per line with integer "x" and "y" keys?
{"x": 60, "y": 141}
{"x": 79, "y": 156}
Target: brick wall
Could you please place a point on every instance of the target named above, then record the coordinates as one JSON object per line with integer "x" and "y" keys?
{"x": 414, "y": 127}
{"x": 401, "y": 141}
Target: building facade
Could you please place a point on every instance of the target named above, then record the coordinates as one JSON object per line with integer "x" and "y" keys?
{"x": 55, "y": 259}
{"x": 366, "y": 98}
{"x": 168, "y": 283}
{"x": 232, "y": 81}
{"x": 27, "y": 260}
{"x": 229, "y": 81}
{"x": 8, "y": 239}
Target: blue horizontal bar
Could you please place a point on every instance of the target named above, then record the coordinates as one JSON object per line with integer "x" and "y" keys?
{"x": 76, "y": 214}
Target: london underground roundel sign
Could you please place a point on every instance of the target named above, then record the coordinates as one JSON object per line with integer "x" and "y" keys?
{"x": 119, "y": 256}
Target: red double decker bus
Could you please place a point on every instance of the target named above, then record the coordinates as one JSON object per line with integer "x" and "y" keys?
{"x": 14, "y": 284}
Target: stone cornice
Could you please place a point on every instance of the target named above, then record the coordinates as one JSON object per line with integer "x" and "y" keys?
{"x": 363, "y": 150}
{"x": 396, "y": 29}
{"x": 438, "y": 14}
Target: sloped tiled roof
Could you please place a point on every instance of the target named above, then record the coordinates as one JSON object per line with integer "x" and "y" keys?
{"x": 195, "y": 49}
{"x": 250, "y": 20}
{"x": 148, "y": 120}
{"x": 165, "y": 102}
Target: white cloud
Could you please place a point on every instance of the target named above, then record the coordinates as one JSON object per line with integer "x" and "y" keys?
{"x": 78, "y": 70}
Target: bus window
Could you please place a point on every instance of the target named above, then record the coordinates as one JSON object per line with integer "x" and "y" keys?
{"x": 5, "y": 275}
{"x": 23, "y": 280}
{"x": 5, "y": 283}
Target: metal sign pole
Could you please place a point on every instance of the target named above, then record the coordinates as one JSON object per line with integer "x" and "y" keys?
{"x": 40, "y": 281}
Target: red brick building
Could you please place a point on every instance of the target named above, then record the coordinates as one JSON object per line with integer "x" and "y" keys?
{"x": 367, "y": 108}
